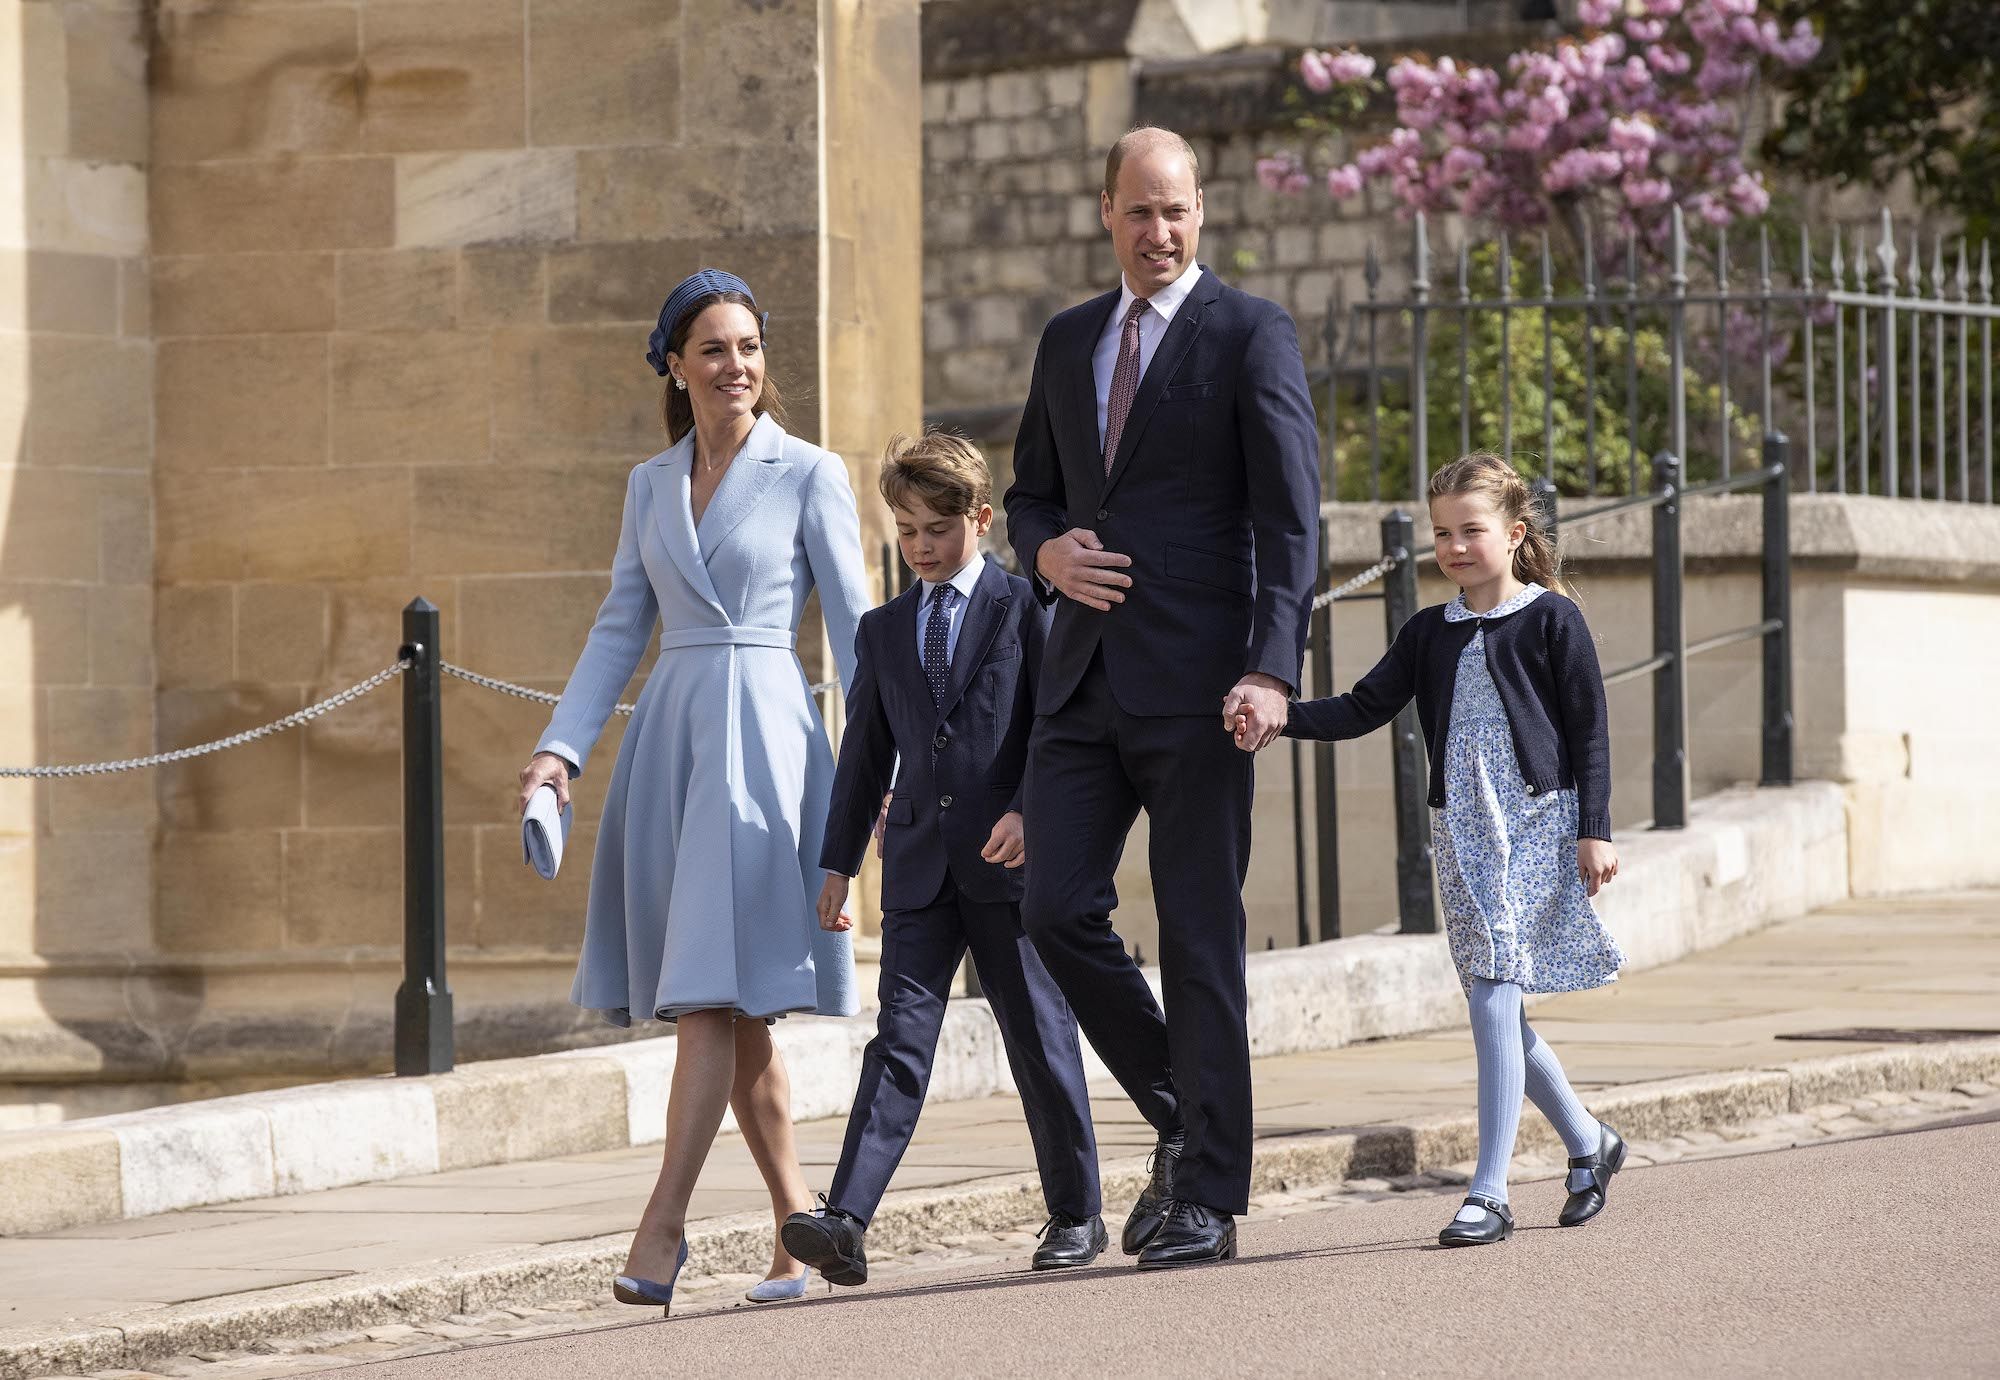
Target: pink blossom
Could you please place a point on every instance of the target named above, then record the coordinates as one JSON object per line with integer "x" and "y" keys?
{"x": 1528, "y": 137}
{"x": 1272, "y": 172}
{"x": 1633, "y": 134}
{"x": 1647, "y": 110}
{"x": 1669, "y": 62}
{"x": 1647, "y": 191}
{"x": 1351, "y": 66}
{"x": 1460, "y": 164}
{"x": 1748, "y": 192}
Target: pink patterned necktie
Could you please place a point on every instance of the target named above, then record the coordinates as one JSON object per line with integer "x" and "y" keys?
{"x": 1124, "y": 382}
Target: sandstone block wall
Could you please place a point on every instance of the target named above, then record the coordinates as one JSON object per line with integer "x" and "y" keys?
{"x": 352, "y": 306}
{"x": 76, "y": 496}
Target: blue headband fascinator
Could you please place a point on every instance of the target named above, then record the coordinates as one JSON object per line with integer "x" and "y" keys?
{"x": 705, "y": 282}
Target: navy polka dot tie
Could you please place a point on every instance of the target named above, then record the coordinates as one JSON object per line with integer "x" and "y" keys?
{"x": 937, "y": 640}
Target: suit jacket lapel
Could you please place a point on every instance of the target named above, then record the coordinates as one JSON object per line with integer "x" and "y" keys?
{"x": 1167, "y": 358}
{"x": 754, "y": 470}
{"x": 904, "y": 611}
{"x": 673, "y": 514}
{"x": 990, "y": 596}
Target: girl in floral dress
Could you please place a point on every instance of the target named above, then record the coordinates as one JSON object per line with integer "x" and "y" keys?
{"x": 1511, "y": 700}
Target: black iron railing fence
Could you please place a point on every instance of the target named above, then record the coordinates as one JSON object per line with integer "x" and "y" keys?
{"x": 1879, "y": 359}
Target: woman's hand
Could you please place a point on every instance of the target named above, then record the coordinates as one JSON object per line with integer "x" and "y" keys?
{"x": 1596, "y": 863}
{"x": 544, "y": 769}
{"x": 833, "y": 916}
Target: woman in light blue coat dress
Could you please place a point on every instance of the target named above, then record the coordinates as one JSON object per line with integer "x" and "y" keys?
{"x": 702, "y": 890}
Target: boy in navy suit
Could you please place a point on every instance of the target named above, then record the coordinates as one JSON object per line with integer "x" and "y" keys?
{"x": 943, "y": 701}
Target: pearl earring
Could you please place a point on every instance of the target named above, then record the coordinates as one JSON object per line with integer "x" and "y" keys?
{"x": 681, "y": 384}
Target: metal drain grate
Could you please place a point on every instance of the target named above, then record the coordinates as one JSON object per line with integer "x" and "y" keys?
{"x": 1889, "y": 1035}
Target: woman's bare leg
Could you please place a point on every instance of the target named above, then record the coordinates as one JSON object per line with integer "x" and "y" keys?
{"x": 762, "y": 1098}
{"x": 704, "y": 1069}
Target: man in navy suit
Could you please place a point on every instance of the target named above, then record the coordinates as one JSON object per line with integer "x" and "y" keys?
{"x": 1166, "y": 497}
{"x": 944, "y": 698}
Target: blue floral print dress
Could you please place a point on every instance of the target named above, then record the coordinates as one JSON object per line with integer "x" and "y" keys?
{"x": 1514, "y": 908}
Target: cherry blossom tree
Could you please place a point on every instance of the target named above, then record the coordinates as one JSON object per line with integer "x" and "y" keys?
{"x": 1598, "y": 134}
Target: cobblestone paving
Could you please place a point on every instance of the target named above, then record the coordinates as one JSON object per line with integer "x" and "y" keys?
{"x": 274, "y": 1357}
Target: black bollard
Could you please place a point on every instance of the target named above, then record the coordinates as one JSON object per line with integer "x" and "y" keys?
{"x": 423, "y": 1002}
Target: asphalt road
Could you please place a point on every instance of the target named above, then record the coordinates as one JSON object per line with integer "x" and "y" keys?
{"x": 1867, "y": 1258}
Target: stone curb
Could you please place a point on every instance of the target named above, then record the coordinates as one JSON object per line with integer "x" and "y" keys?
{"x": 742, "y": 1243}
{"x": 1676, "y": 893}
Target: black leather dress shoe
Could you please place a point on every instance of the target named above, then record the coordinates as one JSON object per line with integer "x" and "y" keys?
{"x": 1190, "y": 1234}
{"x": 1149, "y": 1211}
{"x": 1587, "y": 1202}
{"x": 828, "y": 1240}
{"x": 1068, "y": 1242}
{"x": 1496, "y": 1225}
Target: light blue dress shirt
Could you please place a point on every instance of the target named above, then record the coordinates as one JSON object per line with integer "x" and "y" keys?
{"x": 963, "y": 582}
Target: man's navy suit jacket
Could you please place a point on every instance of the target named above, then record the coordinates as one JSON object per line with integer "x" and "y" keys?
{"x": 1214, "y": 494}
{"x": 963, "y": 758}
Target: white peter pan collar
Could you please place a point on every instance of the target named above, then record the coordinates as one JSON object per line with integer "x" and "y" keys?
{"x": 1457, "y": 612}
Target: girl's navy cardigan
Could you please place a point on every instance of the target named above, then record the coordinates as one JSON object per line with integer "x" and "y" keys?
{"x": 1545, "y": 667}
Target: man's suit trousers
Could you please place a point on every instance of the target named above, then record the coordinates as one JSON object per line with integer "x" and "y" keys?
{"x": 1091, "y": 768}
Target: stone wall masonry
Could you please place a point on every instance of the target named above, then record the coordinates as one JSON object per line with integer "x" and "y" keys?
{"x": 76, "y": 492}
{"x": 388, "y": 270}
{"x": 435, "y": 207}
{"x": 1677, "y": 894}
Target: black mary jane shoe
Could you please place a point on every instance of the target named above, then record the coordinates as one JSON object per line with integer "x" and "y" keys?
{"x": 1585, "y": 1203}
{"x": 1151, "y": 1209}
{"x": 1070, "y": 1242}
{"x": 1496, "y": 1225}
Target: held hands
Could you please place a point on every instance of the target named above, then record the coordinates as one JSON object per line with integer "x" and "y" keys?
{"x": 544, "y": 769}
{"x": 833, "y": 914}
{"x": 1254, "y": 712}
{"x": 1596, "y": 863}
{"x": 1077, "y": 564}
{"x": 1006, "y": 846}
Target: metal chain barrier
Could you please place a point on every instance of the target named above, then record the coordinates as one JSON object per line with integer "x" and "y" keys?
{"x": 161, "y": 759}
{"x": 302, "y": 716}
{"x": 1361, "y": 581}
{"x": 522, "y": 692}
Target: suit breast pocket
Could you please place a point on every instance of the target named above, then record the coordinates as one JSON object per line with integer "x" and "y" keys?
{"x": 1191, "y": 392}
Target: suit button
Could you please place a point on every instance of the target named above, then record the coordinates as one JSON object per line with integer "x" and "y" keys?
{"x": 1103, "y": 513}
{"x": 944, "y": 802}
{"x": 941, "y": 741}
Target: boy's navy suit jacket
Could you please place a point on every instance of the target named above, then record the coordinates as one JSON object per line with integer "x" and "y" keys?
{"x": 962, "y": 759}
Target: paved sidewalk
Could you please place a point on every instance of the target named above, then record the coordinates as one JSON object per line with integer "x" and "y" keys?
{"x": 1915, "y": 963}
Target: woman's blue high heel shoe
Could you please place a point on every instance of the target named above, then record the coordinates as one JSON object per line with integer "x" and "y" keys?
{"x": 780, "y": 1290}
{"x": 650, "y": 1292}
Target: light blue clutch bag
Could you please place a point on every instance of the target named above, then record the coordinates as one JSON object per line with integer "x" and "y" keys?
{"x": 544, "y": 831}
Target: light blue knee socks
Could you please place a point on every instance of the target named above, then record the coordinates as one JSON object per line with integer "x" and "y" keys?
{"x": 1513, "y": 1060}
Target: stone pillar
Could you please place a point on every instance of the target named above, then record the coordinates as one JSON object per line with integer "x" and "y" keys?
{"x": 76, "y": 647}
{"x": 405, "y": 259}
